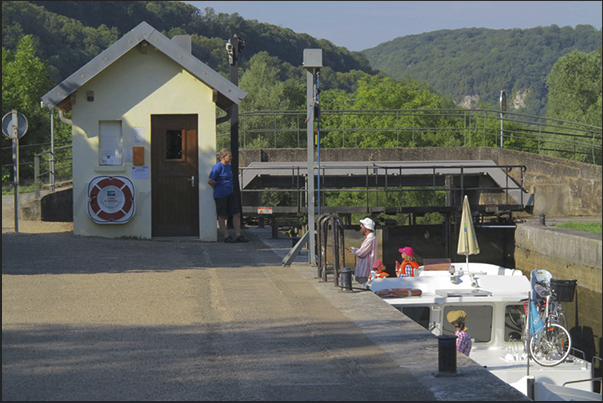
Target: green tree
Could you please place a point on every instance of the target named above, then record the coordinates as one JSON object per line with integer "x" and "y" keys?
{"x": 265, "y": 92}
{"x": 25, "y": 79}
{"x": 575, "y": 88}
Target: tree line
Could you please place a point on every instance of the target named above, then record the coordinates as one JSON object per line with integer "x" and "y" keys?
{"x": 482, "y": 62}
{"x": 41, "y": 47}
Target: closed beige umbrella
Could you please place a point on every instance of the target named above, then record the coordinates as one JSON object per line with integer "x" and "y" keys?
{"x": 467, "y": 240}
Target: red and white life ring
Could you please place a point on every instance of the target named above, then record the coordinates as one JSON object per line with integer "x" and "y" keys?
{"x": 399, "y": 292}
{"x": 111, "y": 199}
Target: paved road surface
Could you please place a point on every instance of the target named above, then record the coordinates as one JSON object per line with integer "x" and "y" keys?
{"x": 101, "y": 319}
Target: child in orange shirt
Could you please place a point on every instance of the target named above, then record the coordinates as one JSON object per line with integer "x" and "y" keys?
{"x": 378, "y": 270}
{"x": 409, "y": 265}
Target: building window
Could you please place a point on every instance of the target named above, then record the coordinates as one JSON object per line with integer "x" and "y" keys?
{"x": 110, "y": 150}
{"x": 173, "y": 144}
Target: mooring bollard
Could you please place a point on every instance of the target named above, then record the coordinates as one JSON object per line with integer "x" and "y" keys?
{"x": 346, "y": 279}
{"x": 447, "y": 354}
{"x": 542, "y": 217}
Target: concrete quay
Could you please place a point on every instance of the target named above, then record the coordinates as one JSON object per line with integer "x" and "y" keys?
{"x": 125, "y": 319}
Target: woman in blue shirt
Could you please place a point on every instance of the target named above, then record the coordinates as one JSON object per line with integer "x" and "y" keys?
{"x": 220, "y": 179}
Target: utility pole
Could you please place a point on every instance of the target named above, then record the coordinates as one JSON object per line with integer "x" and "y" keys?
{"x": 312, "y": 63}
{"x": 503, "y": 109}
{"x": 234, "y": 46}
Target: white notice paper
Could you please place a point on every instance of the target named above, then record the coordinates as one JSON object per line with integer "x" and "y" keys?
{"x": 140, "y": 173}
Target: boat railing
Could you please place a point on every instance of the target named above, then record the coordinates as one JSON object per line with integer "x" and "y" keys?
{"x": 597, "y": 379}
{"x": 575, "y": 350}
{"x": 593, "y": 378}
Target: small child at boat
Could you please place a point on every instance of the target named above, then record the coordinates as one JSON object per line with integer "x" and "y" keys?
{"x": 409, "y": 265}
{"x": 378, "y": 270}
{"x": 463, "y": 339}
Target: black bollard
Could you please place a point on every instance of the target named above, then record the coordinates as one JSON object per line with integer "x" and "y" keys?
{"x": 542, "y": 217}
{"x": 346, "y": 278}
{"x": 447, "y": 354}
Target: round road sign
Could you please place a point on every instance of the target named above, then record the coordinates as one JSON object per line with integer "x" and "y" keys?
{"x": 14, "y": 125}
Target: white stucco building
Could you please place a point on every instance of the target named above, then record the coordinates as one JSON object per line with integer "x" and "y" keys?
{"x": 144, "y": 138}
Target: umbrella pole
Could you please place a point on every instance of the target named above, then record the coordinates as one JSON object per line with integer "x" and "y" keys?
{"x": 467, "y": 246}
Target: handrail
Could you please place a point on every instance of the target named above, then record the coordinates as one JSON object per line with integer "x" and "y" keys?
{"x": 596, "y": 379}
{"x": 50, "y": 172}
{"x": 474, "y": 127}
{"x": 337, "y": 246}
{"x": 593, "y": 378}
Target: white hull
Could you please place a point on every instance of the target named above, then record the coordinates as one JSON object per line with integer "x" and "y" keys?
{"x": 492, "y": 297}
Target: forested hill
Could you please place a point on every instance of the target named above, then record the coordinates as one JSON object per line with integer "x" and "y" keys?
{"x": 477, "y": 63}
{"x": 71, "y": 33}
{"x": 472, "y": 64}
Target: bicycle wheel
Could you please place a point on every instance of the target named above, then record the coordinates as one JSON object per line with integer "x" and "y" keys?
{"x": 550, "y": 346}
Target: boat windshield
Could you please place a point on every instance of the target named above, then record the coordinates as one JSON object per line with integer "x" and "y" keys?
{"x": 479, "y": 321}
{"x": 419, "y": 314}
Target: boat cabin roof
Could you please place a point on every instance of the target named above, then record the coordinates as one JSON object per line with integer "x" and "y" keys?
{"x": 479, "y": 282}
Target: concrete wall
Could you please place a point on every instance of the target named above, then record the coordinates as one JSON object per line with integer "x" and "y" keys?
{"x": 568, "y": 254}
{"x": 561, "y": 187}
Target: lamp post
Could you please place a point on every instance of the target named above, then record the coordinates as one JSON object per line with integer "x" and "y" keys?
{"x": 234, "y": 46}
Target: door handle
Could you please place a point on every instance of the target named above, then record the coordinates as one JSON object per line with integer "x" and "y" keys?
{"x": 192, "y": 180}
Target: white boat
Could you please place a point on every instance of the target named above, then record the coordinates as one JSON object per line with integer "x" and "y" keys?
{"x": 493, "y": 299}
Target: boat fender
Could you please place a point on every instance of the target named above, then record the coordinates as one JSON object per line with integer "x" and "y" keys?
{"x": 399, "y": 292}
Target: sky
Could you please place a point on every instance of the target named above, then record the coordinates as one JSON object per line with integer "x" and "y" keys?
{"x": 359, "y": 25}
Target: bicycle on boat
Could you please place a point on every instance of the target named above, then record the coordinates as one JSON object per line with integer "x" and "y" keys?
{"x": 550, "y": 343}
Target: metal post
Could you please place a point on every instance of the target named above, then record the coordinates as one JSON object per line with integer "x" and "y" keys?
{"x": 531, "y": 386}
{"x": 234, "y": 47}
{"x": 51, "y": 167}
{"x": 501, "y": 131}
{"x": 15, "y": 141}
{"x": 312, "y": 62}
{"x": 503, "y": 109}
{"x": 310, "y": 156}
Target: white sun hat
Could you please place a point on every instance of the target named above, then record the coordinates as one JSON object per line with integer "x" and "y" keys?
{"x": 368, "y": 223}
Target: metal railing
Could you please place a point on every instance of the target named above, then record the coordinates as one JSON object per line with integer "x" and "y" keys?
{"x": 335, "y": 225}
{"x": 40, "y": 168}
{"x": 379, "y": 182}
{"x": 53, "y": 166}
{"x": 401, "y": 128}
{"x": 422, "y": 128}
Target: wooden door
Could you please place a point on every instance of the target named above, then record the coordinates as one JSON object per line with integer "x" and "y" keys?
{"x": 174, "y": 173}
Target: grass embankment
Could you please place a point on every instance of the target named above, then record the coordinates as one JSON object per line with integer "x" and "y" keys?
{"x": 594, "y": 227}
{"x": 10, "y": 190}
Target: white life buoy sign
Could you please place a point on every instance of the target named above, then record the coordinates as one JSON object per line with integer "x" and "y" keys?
{"x": 111, "y": 199}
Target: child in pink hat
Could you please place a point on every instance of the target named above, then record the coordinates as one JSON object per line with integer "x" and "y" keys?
{"x": 409, "y": 265}
{"x": 378, "y": 270}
